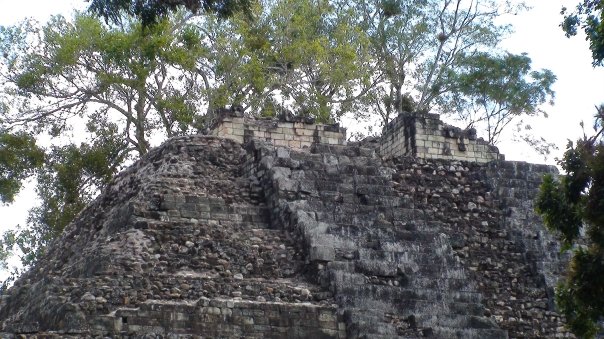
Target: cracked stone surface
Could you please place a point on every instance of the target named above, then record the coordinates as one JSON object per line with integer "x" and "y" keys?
{"x": 205, "y": 237}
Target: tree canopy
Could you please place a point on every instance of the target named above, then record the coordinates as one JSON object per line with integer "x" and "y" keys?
{"x": 305, "y": 56}
{"x": 573, "y": 208}
{"x": 572, "y": 205}
{"x": 416, "y": 44}
{"x": 588, "y": 16}
{"x": 116, "y": 86}
{"x": 492, "y": 91}
{"x": 19, "y": 157}
{"x": 330, "y": 58}
{"x": 150, "y": 11}
{"x": 145, "y": 77}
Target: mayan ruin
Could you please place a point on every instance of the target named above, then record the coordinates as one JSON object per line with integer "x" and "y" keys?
{"x": 282, "y": 229}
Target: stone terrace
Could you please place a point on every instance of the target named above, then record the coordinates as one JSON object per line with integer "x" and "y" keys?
{"x": 283, "y": 230}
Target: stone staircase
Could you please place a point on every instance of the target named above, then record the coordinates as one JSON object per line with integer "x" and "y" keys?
{"x": 391, "y": 271}
{"x": 164, "y": 251}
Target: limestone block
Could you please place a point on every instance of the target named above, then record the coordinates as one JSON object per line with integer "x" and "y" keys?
{"x": 304, "y": 131}
{"x": 438, "y": 138}
{"x": 252, "y": 127}
{"x": 334, "y": 135}
{"x": 283, "y": 152}
{"x": 287, "y": 185}
{"x": 276, "y": 136}
{"x": 480, "y": 148}
{"x": 333, "y": 141}
{"x": 434, "y": 150}
{"x": 322, "y": 253}
{"x": 436, "y": 144}
{"x": 294, "y": 144}
{"x": 285, "y": 125}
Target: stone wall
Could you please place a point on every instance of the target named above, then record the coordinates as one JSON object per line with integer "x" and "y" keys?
{"x": 413, "y": 247}
{"x": 295, "y": 135}
{"x": 424, "y": 135}
{"x": 179, "y": 244}
{"x": 208, "y": 237}
{"x": 215, "y": 318}
{"x": 421, "y": 135}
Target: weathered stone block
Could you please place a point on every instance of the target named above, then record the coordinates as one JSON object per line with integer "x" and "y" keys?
{"x": 322, "y": 253}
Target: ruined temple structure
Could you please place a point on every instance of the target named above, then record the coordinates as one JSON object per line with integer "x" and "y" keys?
{"x": 282, "y": 229}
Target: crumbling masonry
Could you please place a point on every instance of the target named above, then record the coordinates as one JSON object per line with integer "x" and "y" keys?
{"x": 274, "y": 229}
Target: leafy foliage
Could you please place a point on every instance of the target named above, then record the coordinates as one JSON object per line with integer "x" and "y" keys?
{"x": 19, "y": 157}
{"x": 151, "y": 11}
{"x": 145, "y": 77}
{"x": 302, "y": 56}
{"x": 124, "y": 83}
{"x": 588, "y": 16}
{"x": 492, "y": 91}
{"x": 417, "y": 43}
{"x": 573, "y": 207}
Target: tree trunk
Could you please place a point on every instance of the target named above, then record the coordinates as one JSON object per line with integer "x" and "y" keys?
{"x": 143, "y": 145}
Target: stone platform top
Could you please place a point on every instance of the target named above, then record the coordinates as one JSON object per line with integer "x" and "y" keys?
{"x": 421, "y": 135}
{"x": 296, "y": 133}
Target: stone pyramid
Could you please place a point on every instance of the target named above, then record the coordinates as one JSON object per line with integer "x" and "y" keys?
{"x": 281, "y": 229}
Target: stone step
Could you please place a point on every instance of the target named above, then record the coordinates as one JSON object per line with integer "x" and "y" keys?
{"x": 455, "y": 321}
{"x": 348, "y": 150}
{"x": 397, "y": 253}
{"x": 405, "y": 219}
{"x": 342, "y": 169}
{"x": 361, "y": 293}
{"x": 375, "y": 324}
{"x": 348, "y": 272}
{"x": 442, "y": 333}
{"x": 472, "y": 333}
{"x": 437, "y": 276}
{"x": 352, "y": 184}
{"x": 330, "y": 247}
{"x": 389, "y": 233}
{"x": 386, "y": 198}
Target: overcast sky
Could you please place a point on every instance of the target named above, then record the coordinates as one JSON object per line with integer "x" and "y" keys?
{"x": 578, "y": 89}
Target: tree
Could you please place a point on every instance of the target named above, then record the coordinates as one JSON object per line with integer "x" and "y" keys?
{"x": 145, "y": 77}
{"x": 19, "y": 157}
{"x": 150, "y": 11}
{"x": 491, "y": 91}
{"x": 416, "y": 43}
{"x": 124, "y": 83}
{"x": 589, "y": 16}
{"x": 302, "y": 56}
{"x": 573, "y": 206}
